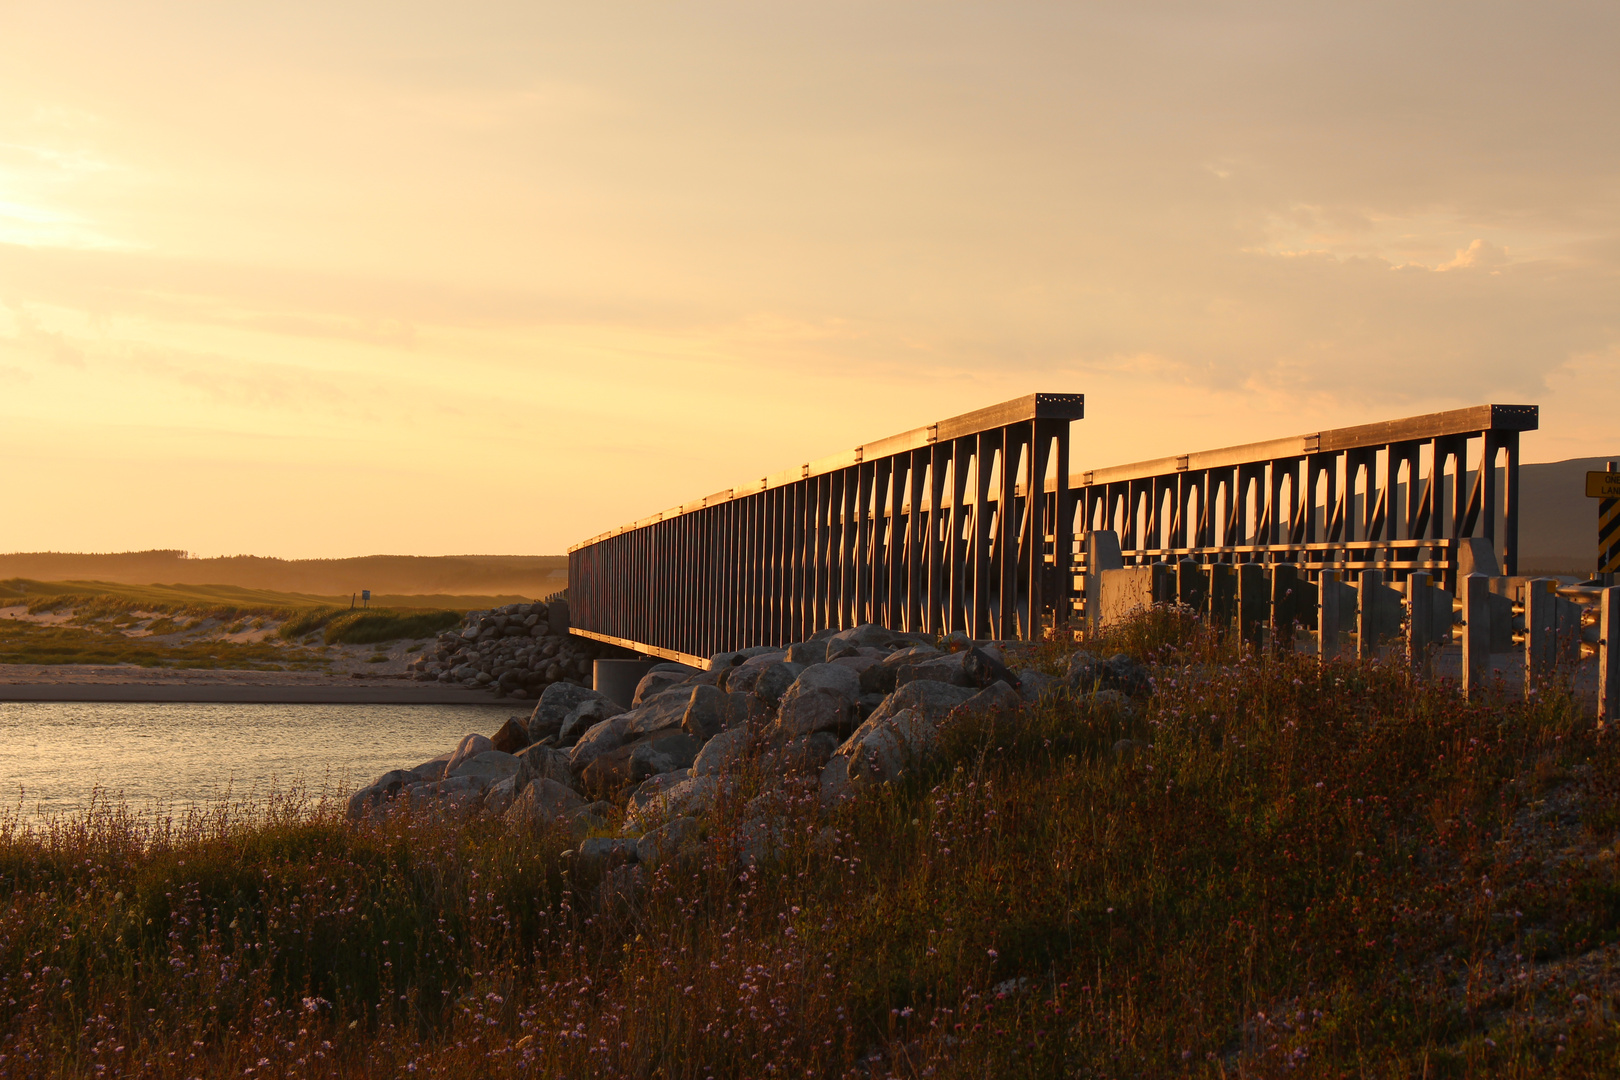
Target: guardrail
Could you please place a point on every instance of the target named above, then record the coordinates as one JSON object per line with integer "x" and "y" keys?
{"x": 931, "y": 530}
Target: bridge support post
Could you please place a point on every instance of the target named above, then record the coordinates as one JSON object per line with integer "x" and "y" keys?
{"x": 1540, "y": 633}
{"x": 1476, "y": 665}
{"x": 1367, "y": 586}
{"x": 1285, "y": 594}
{"x": 1609, "y": 655}
{"x": 1253, "y": 602}
{"x": 1327, "y": 614}
{"x": 1419, "y": 619}
{"x": 1223, "y": 591}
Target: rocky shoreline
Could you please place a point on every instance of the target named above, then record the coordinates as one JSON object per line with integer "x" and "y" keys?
{"x": 517, "y": 651}
{"x": 831, "y": 716}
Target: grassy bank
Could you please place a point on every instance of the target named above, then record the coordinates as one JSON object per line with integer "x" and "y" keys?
{"x": 1299, "y": 871}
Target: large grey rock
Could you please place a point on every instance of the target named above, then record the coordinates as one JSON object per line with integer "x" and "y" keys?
{"x": 889, "y": 748}
{"x": 657, "y": 784}
{"x": 543, "y": 802}
{"x": 430, "y": 770}
{"x": 880, "y": 678}
{"x": 865, "y": 635}
{"x": 741, "y": 679}
{"x": 603, "y": 737}
{"x": 500, "y": 796}
{"x": 822, "y": 698}
{"x": 666, "y": 710}
{"x": 605, "y": 851}
{"x": 949, "y": 668}
{"x": 492, "y": 765}
{"x": 800, "y": 755}
{"x": 469, "y": 747}
{"x": 684, "y": 798}
{"x": 935, "y": 700}
{"x": 709, "y": 711}
{"x": 1035, "y": 686}
{"x": 381, "y": 790}
{"x": 663, "y": 753}
{"x": 807, "y": 653}
{"x": 983, "y": 666}
{"x": 541, "y": 762}
{"x": 584, "y": 716}
{"x": 995, "y": 701}
{"x": 658, "y": 680}
{"x": 558, "y": 700}
{"x": 512, "y": 737}
{"x": 774, "y": 681}
{"x": 835, "y": 785}
{"x": 721, "y": 753}
{"x": 677, "y": 838}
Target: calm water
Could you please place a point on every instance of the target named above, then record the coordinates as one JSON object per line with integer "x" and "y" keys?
{"x": 53, "y": 754}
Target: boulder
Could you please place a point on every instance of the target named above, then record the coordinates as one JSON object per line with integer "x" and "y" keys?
{"x": 512, "y": 737}
{"x": 602, "y": 737}
{"x": 822, "y": 698}
{"x": 661, "y": 678}
{"x": 500, "y": 796}
{"x": 880, "y": 678}
{"x": 934, "y": 699}
{"x": 949, "y": 668}
{"x": 542, "y": 803}
{"x": 982, "y": 666}
{"x": 606, "y": 851}
{"x": 835, "y": 785}
{"x": 383, "y": 789}
{"x": 656, "y": 785}
{"x": 865, "y": 635}
{"x": 774, "y": 681}
{"x": 665, "y": 710}
{"x": 721, "y": 753}
{"x": 1034, "y": 686}
{"x": 541, "y": 762}
{"x": 807, "y": 653}
{"x": 684, "y": 797}
{"x": 676, "y": 838}
{"x": 890, "y": 747}
{"x": 430, "y": 770}
{"x": 608, "y": 774}
{"x": 801, "y": 755}
{"x": 558, "y": 700}
{"x": 994, "y": 701}
{"x": 708, "y": 713}
{"x": 469, "y": 747}
{"x": 741, "y": 679}
{"x": 491, "y": 765}
{"x": 661, "y": 753}
{"x": 584, "y": 716}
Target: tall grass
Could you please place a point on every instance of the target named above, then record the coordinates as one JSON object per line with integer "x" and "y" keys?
{"x": 1312, "y": 871}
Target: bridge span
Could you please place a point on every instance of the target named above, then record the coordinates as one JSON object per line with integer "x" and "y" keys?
{"x": 936, "y": 530}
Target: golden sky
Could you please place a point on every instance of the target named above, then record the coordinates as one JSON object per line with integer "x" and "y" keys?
{"x": 336, "y": 278}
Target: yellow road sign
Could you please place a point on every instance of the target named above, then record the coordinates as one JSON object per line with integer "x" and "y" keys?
{"x": 1603, "y": 485}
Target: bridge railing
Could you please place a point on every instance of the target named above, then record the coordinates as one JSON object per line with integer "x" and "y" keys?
{"x": 931, "y": 530}
{"x": 910, "y": 531}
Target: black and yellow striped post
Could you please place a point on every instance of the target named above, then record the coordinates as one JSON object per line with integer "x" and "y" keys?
{"x": 1605, "y": 487}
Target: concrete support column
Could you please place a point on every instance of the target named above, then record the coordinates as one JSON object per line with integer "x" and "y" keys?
{"x": 1253, "y": 601}
{"x": 1419, "y": 618}
{"x": 1223, "y": 590}
{"x": 1367, "y": 586}
{"x": 1476, "y": 667}
{"x": 1327, "y": 614}
{"x": 1190, "y": 587}
{"x": 1540, "y": 632}
{"x": 1284, "y": 604}
{"x": 1609, "y": 655}
{"x": 618, "y": 679}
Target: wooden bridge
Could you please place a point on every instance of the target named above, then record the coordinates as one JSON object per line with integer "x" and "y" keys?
{"x": 936, "y": 529}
